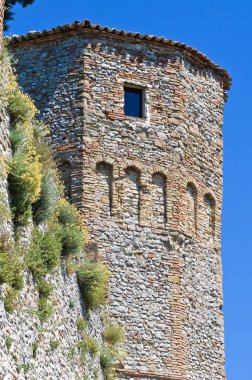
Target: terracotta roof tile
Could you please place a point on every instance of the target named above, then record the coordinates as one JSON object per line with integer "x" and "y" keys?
{"x": 86, "y": 24}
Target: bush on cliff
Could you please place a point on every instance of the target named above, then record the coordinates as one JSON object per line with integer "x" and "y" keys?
{"x": 72, "y": 232}
{"x": 25, "y": 174}
{"x": 93, "y": 282}
{"x": 44, "y": 252}
{"x": 113, "y": 334}
{"x": 108, "y": 361}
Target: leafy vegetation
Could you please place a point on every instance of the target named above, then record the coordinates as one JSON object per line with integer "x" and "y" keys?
{"x": 72, "y": 233}
{"x": 67, "y": 214}
{"x": 8, "y": 342}
{"x": 54, "y": 344}
{"x": 72, "y": 304}
{"x": 10, "y": 298}
{"x": 81, "y": 324}
{"x": 88, "y": 345}
{"x": 72, "y": 240}
{"x": 44, "y": 288}
{"x": 11, "y": 275}
{"x": 113, "y": 334}
{"x": 20, "y": 106}
{"x": 24, "y": 174}
{"x": 43, "y": 208}
{"x": 108, "y": 360}
{"x": 45, "y": 310}
{"x": 44, "y": 252}
{"x": 93, "y": 282}
{"x": 11, "y": 270}
{"x": 35, "y": 346}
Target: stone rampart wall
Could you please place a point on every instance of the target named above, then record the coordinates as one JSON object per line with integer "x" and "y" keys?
{"x": 150, "y": 189}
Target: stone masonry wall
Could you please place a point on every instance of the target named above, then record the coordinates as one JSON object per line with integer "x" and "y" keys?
{"x": 150, "y": 189}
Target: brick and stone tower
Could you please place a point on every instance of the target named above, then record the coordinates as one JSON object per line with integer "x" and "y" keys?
{"x": 136, "y": 123}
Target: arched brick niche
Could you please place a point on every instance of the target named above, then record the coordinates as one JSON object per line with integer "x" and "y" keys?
{"x": 209, "y": 217}
{"x": 131, "y": 199}
{"x": 192, "y": 205}
{"x": 65, "y": 170}
{"x": 104, "y": 188}
{"x": 159, "y": 199}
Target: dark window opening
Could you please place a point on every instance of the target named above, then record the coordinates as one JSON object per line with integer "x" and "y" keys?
{"x": 133, "y": 102}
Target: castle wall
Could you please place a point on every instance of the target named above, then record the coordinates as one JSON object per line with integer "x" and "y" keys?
{"x": 150, "y": 189}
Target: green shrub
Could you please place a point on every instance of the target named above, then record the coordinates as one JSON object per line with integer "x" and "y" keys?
{"x": 113, "y": 334}
{"x": 44, "y": 289}
{"x": 11, "y": 295}
{"x": 72, "y": 304}
{"x": 25, "y": 175}
{"x": 67, "y": 213}
{"x": 26, "y": 367}
{"x": 11, "y": 270}
{"x": 54, "y": 344}
{"x": 108, "y": 361}
{"x": 72, "y": 233}
{"x": 81, "y": 324}
{"x": 20, "y": 106}
{"x": 43, "y": 208}
{"x": 11, "y": 274}
{"x": 88, "y": 346}
{"x": 8, "y": 342}
{"x": 45, "y": 310}
{"x": 6, "y": 56}
{"x": 35, "y": 346}
{"x": 72, "y": 240}
{"x": 71, "y": 353}
{"x": 40, "y": 132}
{"x": 93, "y": 283}
{"x": 44, "y": 252}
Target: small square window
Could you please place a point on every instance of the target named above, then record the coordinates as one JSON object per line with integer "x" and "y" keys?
{"x": 133, "y": 102}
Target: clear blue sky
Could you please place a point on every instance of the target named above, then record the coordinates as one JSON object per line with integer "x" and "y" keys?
{"x": 222, "y": 30}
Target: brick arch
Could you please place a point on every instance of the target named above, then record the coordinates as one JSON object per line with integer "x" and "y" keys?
{"x": 209, "y": 220}
{"x": 209, "y": 195}
{"x": 107, "y": 160}
{"x": 193, "y": 181}
{"x": 65, "y": 156}
{"x": 65, "y": 168}
{"x": 193, "y": 186}
{"x": 131, "y": 196}
{"x": 191, "y": 208}
{"x": 138, "y": 166}
{"x": 209, "y": 191}
{"x": 104, "y": 187}
{"x": 159, "y": 198}
{"x": 159, "y": 169}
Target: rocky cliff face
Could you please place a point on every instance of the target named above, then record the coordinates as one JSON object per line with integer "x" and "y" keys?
{"x": 30, "y": 349}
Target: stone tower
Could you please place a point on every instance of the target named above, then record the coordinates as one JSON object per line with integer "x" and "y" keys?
{"x": 136, "y": 124}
